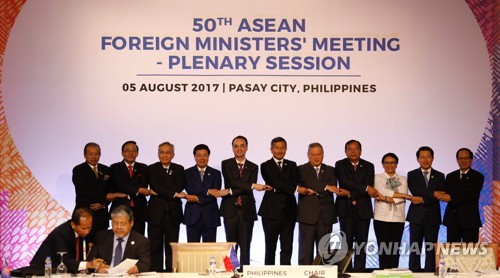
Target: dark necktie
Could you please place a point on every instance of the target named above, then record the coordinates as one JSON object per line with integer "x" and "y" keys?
{"x": 279, "y": 165}
{"x": 426, "y": 178}
{"x": 317, "y": 171}
{"x": 240, "y": 167}
{"x": 118, "y": 252}
{"x": 239, "y": 202}
{"x": 462, "y": 176}
{"x": 202, "y": 173}
{"x": 78, "y": 248}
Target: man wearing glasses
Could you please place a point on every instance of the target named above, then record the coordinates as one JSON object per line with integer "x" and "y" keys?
{"x": 462, "y": 190}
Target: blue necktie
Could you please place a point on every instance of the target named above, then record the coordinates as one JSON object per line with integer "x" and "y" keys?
{"x": 426, "y": 178}
{"x": 118, "y": 252}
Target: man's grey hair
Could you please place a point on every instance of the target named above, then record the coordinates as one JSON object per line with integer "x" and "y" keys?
{"x": 122, "y": 210}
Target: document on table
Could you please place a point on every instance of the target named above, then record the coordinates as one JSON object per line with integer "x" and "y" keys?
{"x": 122, "y": 268}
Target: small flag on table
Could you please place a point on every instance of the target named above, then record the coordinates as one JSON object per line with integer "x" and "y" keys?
{"x": 231, "y": 262}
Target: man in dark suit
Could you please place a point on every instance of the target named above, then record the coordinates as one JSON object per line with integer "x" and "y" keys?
{"x": 279, "y": 205}
{"x": 238, "y": 202}
{"x": 355, "y": 210}
{"x": 201, "y": 215}
{"x": 130, "y": 177}
{"x": 120, "y": 243}
{"x": 424, "y": 213}
{"x": 167, "y": 181}
{"x": 70, "y": 237}
{"x": 91, "y": 180}
{"x": 462, "y": 190}
{"x": 316, "y": 209}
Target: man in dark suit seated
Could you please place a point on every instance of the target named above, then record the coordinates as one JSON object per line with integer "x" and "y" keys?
{"x": 121, "y": 243}
{"x": 70, "y": 237}
{"x": 130, "y": 178}
{"x": 238, "y": 202}
{"x": 462, "y": 191}
{"x": 316, "y": 209}
{"x": 167, "y": 181}
{"x": 201, "y": 214}
{"x": 424, "y": 213}
{"x": 279, "y": 205}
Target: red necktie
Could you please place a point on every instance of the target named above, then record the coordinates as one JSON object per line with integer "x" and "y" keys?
{"x": 239, "y": 202}
{"x": 130, "y": 171}
{"x": 78, "y": 248}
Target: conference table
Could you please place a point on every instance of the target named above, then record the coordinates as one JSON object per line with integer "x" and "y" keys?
{"x": 228, "y": 275}
{"x": 353, "y": 275}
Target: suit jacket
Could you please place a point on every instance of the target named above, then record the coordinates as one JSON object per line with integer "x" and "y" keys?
{"x": 166, "y": 185}
{"x": 281, "y": 200}
{"x": 464, "y": 204}
{"x": 121, "y": 182}
{"x": 137, "y": 247}
{"x": 91, "y": 190}
{"x": 240, "y": 186}
{"x": 207, "y": 208}
{"x": 312, "y": 207}
{"x": 430, "y": 209}
{"x": 356, "y": 183}
{"x": 62, "y": 238}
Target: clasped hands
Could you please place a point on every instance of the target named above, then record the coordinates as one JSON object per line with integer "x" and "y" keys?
{"x": 330, "y": 188}
{"x": 442, "y": 196}
{"x": 218, "y": 193}
{"x": 374, "y": 193}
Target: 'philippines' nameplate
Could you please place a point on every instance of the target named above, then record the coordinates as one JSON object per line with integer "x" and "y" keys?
{"x": 300, "y": 271}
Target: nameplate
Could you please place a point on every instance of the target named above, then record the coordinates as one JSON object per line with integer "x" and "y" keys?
{"x": 300, "y": 271}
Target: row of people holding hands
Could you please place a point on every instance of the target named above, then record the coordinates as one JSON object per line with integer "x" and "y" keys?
{"x": 352, "y": 179}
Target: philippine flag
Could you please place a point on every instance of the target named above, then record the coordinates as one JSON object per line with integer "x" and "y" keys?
{"x": 231, "y": 262}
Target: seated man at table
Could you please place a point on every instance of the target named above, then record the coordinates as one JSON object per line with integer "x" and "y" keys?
{"x": 70, "y": 237}
{"x": 121, "y": 243}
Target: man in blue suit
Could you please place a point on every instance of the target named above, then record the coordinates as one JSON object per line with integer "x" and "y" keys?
{"x": 424, "y": 213}
{"x": 201, "y": 214}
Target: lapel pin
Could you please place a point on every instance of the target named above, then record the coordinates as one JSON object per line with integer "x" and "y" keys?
{"x": 208, "y": 174}
{"x": 132, "y": 242}
{"x": 432, "y": 177}
{"x": 360, "y": 165}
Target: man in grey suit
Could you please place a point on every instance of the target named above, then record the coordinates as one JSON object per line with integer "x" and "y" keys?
{"x": 316, "y": 209}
